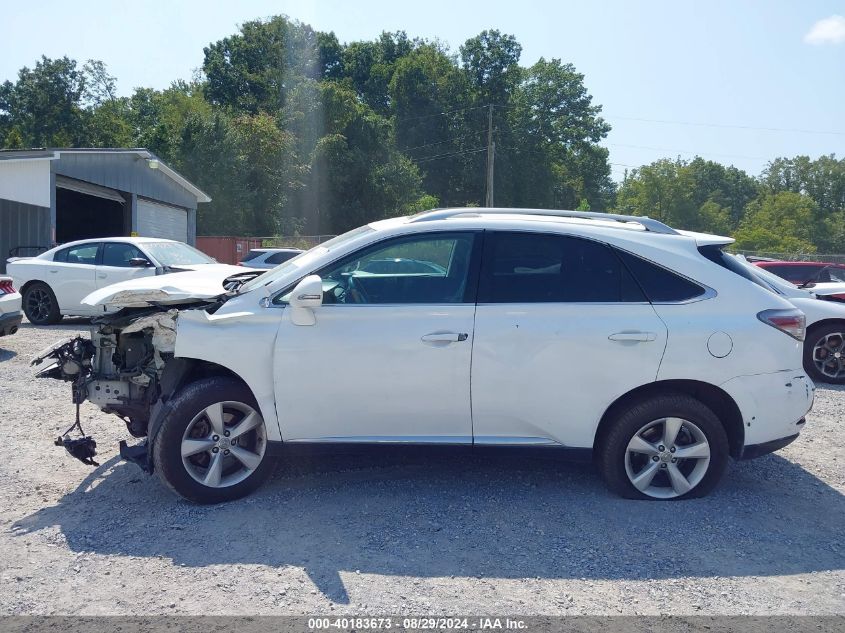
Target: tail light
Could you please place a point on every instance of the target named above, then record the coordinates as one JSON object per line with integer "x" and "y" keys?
{"x": 792, "y": 322}
{"x": 6, "y": 287}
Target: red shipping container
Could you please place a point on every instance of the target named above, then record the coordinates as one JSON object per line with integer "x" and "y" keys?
{"x": 227, "y": 249}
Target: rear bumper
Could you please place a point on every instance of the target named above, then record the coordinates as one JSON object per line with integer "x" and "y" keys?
{"x": 773, "y": 406}
{"x": 9, "y": 323}
{"x": 756, "y": 450}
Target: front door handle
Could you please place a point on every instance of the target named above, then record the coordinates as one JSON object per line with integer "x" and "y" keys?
{"x": 636, "y": 336}
{"x": 102, "y": 275}
{"x": 444, "y": 337}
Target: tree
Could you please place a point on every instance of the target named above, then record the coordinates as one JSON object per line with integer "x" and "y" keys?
{"x": 45, "y": 105}
{"x": 491, "y": 62}
{"x": 778, "y": 223}
{"x": 823, "y": 180}
{"x": 254, "y": 69}
{"x": 699, "y": 195}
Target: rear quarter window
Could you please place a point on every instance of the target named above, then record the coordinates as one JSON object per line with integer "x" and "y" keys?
{"x": 659, "y": 284}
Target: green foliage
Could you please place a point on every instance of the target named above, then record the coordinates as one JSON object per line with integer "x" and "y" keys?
{"x": 291, "y": 131}
{"x": 698, "y": 195}
{"x": 779, "y": 222}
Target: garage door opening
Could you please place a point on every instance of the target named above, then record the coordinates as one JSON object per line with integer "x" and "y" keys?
{"x": 81, "y": 216}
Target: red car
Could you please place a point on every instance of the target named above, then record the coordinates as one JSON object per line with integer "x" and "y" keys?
{"x": 805, "y": 273}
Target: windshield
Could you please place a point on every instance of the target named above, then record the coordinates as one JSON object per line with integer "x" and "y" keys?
{"x": 176, "y": 253}
{"x": 304, "y": 258}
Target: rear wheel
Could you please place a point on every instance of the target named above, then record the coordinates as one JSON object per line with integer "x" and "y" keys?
{"x": 824, "y": 353}
{"x": 40, "y": 305}
{"x": 212, "y": 445}
{"x": 665, "y": 447}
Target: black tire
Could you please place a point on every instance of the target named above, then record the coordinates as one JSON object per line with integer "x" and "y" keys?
{"x": 184, "y": 408}
{"x": 612, "y": 449}
{"x": 40, "y": 305}
{"x": 814, "y": 337}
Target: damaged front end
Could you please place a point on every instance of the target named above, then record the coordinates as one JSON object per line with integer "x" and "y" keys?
{"x": 128, "y": 367}
{"x": 119, "y": 369}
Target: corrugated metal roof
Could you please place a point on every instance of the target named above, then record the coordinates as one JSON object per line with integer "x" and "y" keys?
{"x": 56, "y": 153}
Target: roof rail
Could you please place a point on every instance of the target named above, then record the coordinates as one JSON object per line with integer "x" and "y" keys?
{"x": 654, "y": 226}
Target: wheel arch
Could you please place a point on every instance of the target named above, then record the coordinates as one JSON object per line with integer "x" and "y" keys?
{"x": 31, "y": 282}
{"x": 177, "y": 374}
{"x": 712, "y": 396}
{"x": 823, "y": 323}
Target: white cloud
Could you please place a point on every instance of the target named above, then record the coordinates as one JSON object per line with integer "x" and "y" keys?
{"x": 830, "y": 30}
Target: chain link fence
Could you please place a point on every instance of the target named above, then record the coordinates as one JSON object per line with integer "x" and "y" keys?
{"x": 796, "y": 257}
{"x": 294, "y": 241}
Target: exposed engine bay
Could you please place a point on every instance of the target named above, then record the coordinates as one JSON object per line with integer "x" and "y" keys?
{"x": 119, "y": 369}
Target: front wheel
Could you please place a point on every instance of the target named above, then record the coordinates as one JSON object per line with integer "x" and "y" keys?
{"x": 212, "y": 444}
{"x": 824, "y": 354}
{"x": 665, "y": 447}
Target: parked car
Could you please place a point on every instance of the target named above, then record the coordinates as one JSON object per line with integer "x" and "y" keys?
{"x": 267, "y": 258}
{"x": 54, "y": 283}
{"x": 10, "y": 307}
{"x": 824, "y": 344}
{"x": 805, "y": 273}
{"x": 597, "y": 336}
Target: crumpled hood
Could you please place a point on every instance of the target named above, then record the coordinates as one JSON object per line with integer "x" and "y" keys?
{"x": 202, "y": 284}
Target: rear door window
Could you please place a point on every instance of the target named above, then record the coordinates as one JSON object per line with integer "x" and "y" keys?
{"x": 548, "y": 268}
{"x": 82, "y": 254}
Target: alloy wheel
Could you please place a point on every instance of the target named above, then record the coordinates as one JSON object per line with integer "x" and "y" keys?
{"x": 223, "y": 444}
{"x": 667, "y": 458}
{"x": 829, "y": 355}
{"x": 38, "y": 304}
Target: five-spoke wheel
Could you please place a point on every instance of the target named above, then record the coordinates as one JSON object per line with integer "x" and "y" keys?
{"x": 824, "y": 353}
{"x": 223, "y": 444}
{"x": 668, "y": 446}
{"x": 667, "y": 458}
{"x": 212, "y": 443}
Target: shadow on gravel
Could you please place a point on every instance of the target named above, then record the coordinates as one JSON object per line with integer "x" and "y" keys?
{"x": 434, "y": 516}
{"x": 6, "y": 354}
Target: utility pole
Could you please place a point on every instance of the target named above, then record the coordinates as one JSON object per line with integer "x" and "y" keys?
{"x": 491, "y": 157}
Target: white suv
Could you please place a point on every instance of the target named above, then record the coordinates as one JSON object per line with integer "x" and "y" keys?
{"x": 593, "y": 335}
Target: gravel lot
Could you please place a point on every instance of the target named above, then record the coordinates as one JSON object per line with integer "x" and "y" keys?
{"x": 417, "y": 536}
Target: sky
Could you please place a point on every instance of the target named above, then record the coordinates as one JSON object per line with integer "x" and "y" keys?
{"x": 738, "y": 82}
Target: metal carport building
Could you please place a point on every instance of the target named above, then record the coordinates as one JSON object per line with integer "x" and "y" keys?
{"x": 52, "y": 196}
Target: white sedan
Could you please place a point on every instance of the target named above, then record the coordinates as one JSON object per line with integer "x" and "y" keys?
{"x": 54, "y": 283}
{"x": 10, "y": 307}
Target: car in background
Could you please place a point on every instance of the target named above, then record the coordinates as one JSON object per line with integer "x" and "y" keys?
{"x": 267, "y": 258}
{"x": 805, "y": 273}
{"x": 54, "y": 283}
{"x": 10, "y": 307}
{"x": 824, "y": 342}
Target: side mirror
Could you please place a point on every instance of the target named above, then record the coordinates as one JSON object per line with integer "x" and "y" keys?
{"x": 307, "y": 295}
{"x": 139, "y": 262}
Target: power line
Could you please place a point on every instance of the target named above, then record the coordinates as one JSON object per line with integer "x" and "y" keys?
{"x": 469, "y": 151}
{"x": 428, "y": 116}
{"x": 726, "y": 126}
{"x": 448, "y": 140}
{"x": 681, "y": 151}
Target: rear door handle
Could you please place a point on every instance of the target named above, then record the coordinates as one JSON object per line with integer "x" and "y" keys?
{"x": 636, "y": 336}
{"x": 444, "y": 337}
{"x": 102, "y": 275}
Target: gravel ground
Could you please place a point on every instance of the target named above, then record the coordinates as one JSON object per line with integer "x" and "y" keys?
{"x": 409, "y": 536}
